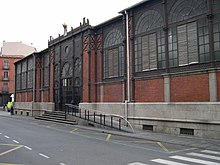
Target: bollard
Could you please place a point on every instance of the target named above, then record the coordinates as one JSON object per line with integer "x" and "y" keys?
{"x": 94, "y": 117}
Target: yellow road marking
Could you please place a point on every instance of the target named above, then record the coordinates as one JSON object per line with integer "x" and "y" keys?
{"x": 108, "y": 137}
{"x": 13, "y": 149}
{"x": 137, "y": 141}
{"x": 162, "y": 146}
{"x": 74, "y": 130}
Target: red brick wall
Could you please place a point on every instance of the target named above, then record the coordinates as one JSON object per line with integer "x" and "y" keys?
{"x": 218, "y": 85}
{"x": 190, "y": 88}
{"x": 149, "y": 90}
{"x": 45, "y": 95}
{"x": 18, "y": 97}
{"x": 29, "y": 96}
{"x": 113, "y": 92}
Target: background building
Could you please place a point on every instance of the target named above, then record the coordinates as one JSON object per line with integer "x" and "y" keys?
{"x": 10, "y": 53}
{"x": 157, "y": 64}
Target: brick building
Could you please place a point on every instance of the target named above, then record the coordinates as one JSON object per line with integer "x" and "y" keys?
{"x": 157, "y": 64}
{"x": 7, "y": 77}
{"x": 10, "y": 53}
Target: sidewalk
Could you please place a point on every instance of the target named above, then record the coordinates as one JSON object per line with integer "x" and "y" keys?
{"x": 4, "y": 113}
{"x": 191, "y": 141}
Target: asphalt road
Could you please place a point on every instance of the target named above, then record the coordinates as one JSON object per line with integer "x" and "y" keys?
{"x": 28, "y": 141}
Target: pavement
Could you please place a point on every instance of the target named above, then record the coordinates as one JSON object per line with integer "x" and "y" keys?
{"x": 184, "y": 140}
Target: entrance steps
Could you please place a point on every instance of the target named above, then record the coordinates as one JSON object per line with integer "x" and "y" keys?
{"x": 56, "y": 116}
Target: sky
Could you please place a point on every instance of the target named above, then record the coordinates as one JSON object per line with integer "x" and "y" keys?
{"x": 34, "y": 21}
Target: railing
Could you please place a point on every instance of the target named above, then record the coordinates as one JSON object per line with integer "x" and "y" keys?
{"x": 101, "y": 118}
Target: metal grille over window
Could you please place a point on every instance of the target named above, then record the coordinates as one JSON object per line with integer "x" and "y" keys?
{"x": 147, "y": 49}
{"x": 113, "y": 59}
{"x": 187, "y": 43}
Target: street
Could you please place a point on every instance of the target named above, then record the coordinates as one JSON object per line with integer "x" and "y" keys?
{"x": 26, "y": 141}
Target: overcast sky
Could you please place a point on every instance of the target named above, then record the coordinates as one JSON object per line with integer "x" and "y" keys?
{"x": 34, "y": 21}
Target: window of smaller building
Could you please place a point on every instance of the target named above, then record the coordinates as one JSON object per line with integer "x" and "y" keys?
{"x": 5, "y": 75}
{"x": 5, "y": 87}
{"x": 6, "y": 64}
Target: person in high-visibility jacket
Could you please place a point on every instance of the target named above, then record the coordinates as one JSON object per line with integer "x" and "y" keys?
{"x": 9, "y": 106}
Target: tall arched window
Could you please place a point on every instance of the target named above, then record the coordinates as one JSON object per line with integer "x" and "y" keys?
{"x": 46, "y": 64}
{"x": 30, "y": 73}
{"x": 113, "y": 54}
{"x": 66, "y": 74}
{"x": 149, "y": 42}
{"x": 188, "y": 40}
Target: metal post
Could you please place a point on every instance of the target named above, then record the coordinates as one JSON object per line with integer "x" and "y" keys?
{"x": 88, "y": 116}
{"x": 111, "y": 122}
{"x": 119, "y": 123}
{"x": 104, "y": 120}
{"x": 65, "y": 112}
{"x": 80, "y": 113}
{"x": 100, "y": 119}
{"x": 85, "y": 114}
{"x": 94, "y": 117}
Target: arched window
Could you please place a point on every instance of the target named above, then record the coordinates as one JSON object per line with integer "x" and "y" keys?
{"x": 185, "y": 9}
{"x": 46, "y": 75}
{"x": 30, "y": 73}
{"x": 66, "y": 74}
{"x": 67, "y": 70}
{"x": 113, "y": 54}
{"x": 188, "y": 41}
{"x": 149, "y": 42}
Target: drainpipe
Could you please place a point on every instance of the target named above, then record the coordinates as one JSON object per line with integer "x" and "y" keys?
{"x": 128, "y": 66}
{"x": 128, "y": 58}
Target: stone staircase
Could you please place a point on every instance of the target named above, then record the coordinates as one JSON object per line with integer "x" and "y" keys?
{"x": 56, "y": 116}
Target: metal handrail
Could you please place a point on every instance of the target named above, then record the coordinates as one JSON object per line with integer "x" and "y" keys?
{"x": 87, "y": 113}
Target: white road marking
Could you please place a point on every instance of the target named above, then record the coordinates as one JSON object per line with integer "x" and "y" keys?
{"x": 194, "y": 160}
{"x": 6, "y": 136}
{"x": 211, "y": 152}
{"x": 204, "y": 156}
{"x": 62, "y": 164}
{"x": 28, "y": 148}
{"x": 137, "y": 163}
{"x": 15, "y": 141}
{"x": 167, "y": 162}
{"x": 45, "y": 156}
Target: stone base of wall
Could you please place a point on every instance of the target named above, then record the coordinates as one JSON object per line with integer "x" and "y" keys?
{"x": 33, "y": 108}
{"x": 199, "y": 119}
